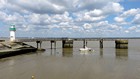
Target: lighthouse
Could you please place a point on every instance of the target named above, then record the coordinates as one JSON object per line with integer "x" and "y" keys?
{"x": 12, "y": 33}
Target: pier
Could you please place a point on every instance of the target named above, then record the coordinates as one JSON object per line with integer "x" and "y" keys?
{"x": 68, "y": 42}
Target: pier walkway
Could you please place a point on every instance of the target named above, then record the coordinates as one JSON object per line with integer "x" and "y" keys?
{"x": 120, "y": 42}
{"x": 74, "y": 39}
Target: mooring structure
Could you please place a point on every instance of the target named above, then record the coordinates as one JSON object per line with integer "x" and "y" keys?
{"x": 120, "y": 43}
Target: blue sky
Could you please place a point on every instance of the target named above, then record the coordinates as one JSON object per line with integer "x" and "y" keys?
{"x": 70, "y": 18}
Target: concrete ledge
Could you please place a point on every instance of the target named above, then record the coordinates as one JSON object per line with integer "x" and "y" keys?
{"x": 15, "y": 49}
{"x": 121, "y": 41}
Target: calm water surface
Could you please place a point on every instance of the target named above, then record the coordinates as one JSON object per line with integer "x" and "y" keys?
{"x": 59, "y": 63}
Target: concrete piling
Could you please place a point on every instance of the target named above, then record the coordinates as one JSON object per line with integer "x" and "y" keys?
{"x": 52, "y": 41}
{"x": 85, "y": 43}
{"x": 67, "y": 43}
{"x": 37, "y": 42}
{"x": 121, "y": 44}
{"x": 40, "y": 46}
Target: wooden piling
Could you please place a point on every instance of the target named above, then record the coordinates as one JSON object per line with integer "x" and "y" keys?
{"x": 84, "y": 44}
{"x": 101, "y": 43}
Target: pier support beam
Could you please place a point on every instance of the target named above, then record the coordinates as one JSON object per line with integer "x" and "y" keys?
{"x": 84, "y": 43}
{"x": 52, "y": 41}
{"x": 121, "y": 44}
{"x": 101, "y": 43}
{"x": 67, "y": 43}
{"x": 39, "y": 42}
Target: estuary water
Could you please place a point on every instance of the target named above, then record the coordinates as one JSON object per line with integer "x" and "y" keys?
{"x": 70, "y": 63}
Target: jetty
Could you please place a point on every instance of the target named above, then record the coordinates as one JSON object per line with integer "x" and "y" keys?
{"x": 120, "y": 42}
{"x": 10, "y": 49}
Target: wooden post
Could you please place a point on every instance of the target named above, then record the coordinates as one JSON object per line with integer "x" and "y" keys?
{"x": 84, "y": 43}
{"x": 63, "y": 43}
{"x": 101, "y": 43}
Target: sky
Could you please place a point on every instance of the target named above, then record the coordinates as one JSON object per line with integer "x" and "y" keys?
{"x": 70, "y": 18}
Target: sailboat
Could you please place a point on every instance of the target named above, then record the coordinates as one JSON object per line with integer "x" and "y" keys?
{"x": 85, "y": 49}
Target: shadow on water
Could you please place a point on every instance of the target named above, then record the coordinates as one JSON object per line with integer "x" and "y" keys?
{"x": 67, "y": 52}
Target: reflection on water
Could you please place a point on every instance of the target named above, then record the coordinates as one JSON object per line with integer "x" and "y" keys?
{"x": 101, "y": 52}
{"x": 53, "y": 52}
{"x": 86, "y": 52}
{"x": 67, "y": 52}
{"x": 121, "y": 53}
{"x": 68, "y": 63}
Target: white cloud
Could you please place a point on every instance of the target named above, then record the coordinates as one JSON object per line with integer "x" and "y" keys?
{"x": 119, "y": 19}
{"x": 112, "y": 7}
{"x": 87, "y": 26}
{"x": 102, "y": 24}
{"x": 126, "y": 31}
{"x": 95, "y": 13}
{"x": 132, "y": 13}
{"x": 2, "y": 3}
{"x": 101, "y": 13}
{"x": 55, "y": 6}
{"x": 2, "y": 16}
{"x": 66, "y": 16}
{"x": 117, "y": 7}
{"x": 133, "y": 28}
{"x": 136, "y": 19}
{"x": 90, "y": 18}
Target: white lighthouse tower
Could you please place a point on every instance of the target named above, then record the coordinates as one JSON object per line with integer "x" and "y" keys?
{"x": 12, "y": 33}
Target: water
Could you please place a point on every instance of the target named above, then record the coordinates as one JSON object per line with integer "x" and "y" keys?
{"x": 106, "y": 63}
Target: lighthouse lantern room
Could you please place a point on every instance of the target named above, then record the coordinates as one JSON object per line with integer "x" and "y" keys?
{"x": 12, "y": 33}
